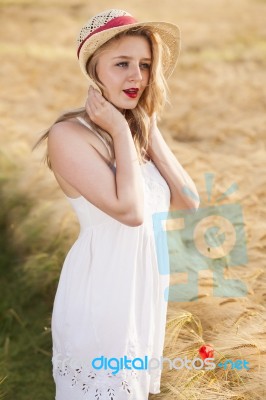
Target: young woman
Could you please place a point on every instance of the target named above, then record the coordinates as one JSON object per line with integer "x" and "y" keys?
{"x": 116, "y": 170}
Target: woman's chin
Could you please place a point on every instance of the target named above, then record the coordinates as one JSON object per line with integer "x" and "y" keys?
{"x": 123, "y": 104}
{"x": 123, "y": 107}
{"x": 129, "y": 105}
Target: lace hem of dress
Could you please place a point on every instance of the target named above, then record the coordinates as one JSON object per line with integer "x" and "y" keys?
{"x": 99, "y": 385}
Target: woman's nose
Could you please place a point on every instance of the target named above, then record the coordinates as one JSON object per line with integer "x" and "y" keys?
{"x": 136, "y": 73}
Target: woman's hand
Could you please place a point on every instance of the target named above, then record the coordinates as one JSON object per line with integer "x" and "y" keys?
{"x": 104, "y": 114}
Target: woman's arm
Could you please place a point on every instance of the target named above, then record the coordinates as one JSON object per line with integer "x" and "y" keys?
{"x": 184, "y": 194}
{"x": 119, "y": 195}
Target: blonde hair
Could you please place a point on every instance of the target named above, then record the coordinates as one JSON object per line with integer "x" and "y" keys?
{"x": 152, "y": 100}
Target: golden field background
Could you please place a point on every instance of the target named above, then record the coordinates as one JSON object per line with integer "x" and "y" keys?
{"x": 215, "y": 124}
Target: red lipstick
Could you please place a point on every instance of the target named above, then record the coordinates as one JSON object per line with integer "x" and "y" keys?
{"x": 132, "y": 92}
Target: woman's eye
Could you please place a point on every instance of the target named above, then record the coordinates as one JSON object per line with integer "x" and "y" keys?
{"x": 145, "y": 66}
{"x": 122, "y": 64}
{"x": 125, "y": 64}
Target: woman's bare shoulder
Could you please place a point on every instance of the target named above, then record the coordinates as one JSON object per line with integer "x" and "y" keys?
{"x": 68, "y": 127}
{"x": 72, "y": 133}
{"x": 66, "y": 141}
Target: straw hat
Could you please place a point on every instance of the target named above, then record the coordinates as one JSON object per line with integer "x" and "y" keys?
{"x": 104, "y": 26}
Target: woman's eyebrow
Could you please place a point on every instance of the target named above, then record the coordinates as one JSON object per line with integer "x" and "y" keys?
{"x": 131, "y": 58}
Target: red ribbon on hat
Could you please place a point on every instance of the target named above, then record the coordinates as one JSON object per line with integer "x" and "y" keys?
{"x": 113, "y": 23}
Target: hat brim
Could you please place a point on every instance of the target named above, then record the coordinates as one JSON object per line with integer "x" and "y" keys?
{"x": 169, "y": 33}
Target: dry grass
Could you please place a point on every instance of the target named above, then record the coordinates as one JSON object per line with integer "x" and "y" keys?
{"x": 216, "y": 124}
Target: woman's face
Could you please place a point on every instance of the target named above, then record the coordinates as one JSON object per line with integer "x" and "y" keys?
{"x": 124, "y": 70}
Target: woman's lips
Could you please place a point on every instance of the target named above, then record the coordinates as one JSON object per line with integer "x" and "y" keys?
{"x": 132, "y": 93}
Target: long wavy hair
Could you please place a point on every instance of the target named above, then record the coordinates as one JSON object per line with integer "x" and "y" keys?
{"x": 152, "y": 99}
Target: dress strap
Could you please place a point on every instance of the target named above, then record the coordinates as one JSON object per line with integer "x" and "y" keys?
{"x": 85, "y": 123}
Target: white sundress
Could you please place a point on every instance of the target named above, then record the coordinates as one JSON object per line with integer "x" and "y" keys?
{"x": 110, "y": 303}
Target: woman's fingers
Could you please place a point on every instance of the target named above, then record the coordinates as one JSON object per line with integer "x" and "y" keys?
{"x": 97, "y": 97}
{"x": 88, "y": 108}
{"x": 95, "y": 101}
{"x": 103, "y": 113}
{"x": 92, "y": 102}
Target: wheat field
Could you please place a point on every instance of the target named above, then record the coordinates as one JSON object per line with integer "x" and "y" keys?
{"x": 215, "y": 125}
